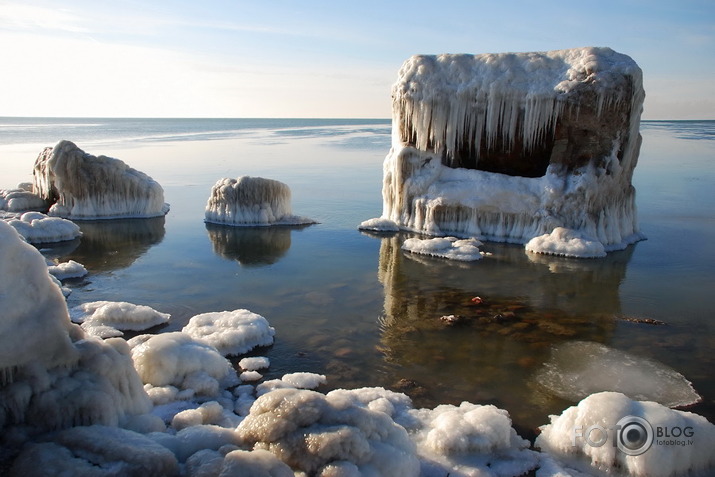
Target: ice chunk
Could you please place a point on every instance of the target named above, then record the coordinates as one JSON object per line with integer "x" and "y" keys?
{"x": 35, "y": 325}
{"x": 308, "y": 431}
{"x": 469, "y": 438}
{"x": 83, "y": 186}
{"x": 96, "y": 451}
{"x": 231, "y": 332}
{"x": 69, "y": 269}
{"x": 564, "y": 439}
{"x": 248, "y": 201}
{"x": 379, "y": 224}
{"x": 254, "y": 363}
{"x": 208, "y": 413}
{"x": 579, "y": 368}
{"x": 567, "y": 243}
{"x": 237, "y": 462}
{"x": 117, "y": 314}
{"x": 177, "y": 359}
{"x": 465, "y": 250}
{"x": 303, "y": 380}
{"x": 21, "y": 199}
{"x": 248, "y": 376}
{"x": 37, "y": 228}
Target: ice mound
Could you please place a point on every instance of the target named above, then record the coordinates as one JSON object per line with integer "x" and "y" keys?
{"x": 231, "y": 332}
{"x": 510, "y": 146}
{"x": 469, "y": 439}
{"x": 379, "y": 224}
{"x": 177, "y": 360}
{"x": 299, "y": 380}
{"x": 254, "y": 363}
{"x": 248, "y": 201}
{"x": 578, "y": 368}
{"x": 66, "y": 270}
{"x": 310, "y": 431}
{"x": 567, "y": 243}
{"x": 21, "y": 199}
{"x": 37, "y": 227}
{"x": 96, "y": 451}
{"x": 101, "y": 317}
{"x": 238, "y": 462}
{"x": 623, "y": 450}
{"x": 52, "y": 375}
{"x": 83, "y": 186}
{"x": 465, "y": 250}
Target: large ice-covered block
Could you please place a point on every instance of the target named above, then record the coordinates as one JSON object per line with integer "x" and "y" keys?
{"x": 510, "y": 146}
{"x": 83, "y": 186}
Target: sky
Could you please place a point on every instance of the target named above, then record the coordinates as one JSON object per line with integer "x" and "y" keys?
{"x": 314, "y": 58}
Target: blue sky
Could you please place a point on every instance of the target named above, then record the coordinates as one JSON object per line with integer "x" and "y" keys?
{"x": 318, "y": 58}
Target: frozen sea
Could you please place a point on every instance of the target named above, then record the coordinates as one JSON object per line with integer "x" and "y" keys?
{"x": 356, "y": 308}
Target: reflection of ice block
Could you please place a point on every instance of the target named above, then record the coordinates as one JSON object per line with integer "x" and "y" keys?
{"x": 251, "y": 201}
{"x": 83, "y": 186}
{"x": 250, "y": 246}
{"x": 509, "y": 146}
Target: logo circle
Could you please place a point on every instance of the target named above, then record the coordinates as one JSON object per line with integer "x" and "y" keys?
{"x": 635, "y": 435}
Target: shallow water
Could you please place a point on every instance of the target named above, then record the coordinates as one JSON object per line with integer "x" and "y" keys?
{"x": 355, "y": 307}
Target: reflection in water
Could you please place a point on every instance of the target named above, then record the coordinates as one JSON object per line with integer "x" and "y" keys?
{"x": 113, "y": 244}
{"x": 489, "y": 352}
{"x": 251, "y": 246}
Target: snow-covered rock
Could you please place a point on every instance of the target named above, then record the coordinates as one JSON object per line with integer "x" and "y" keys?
{"x": 231, "y": 332}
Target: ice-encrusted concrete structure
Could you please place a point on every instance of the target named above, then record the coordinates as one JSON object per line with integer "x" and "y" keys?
{"x": 82, "y": 186}
{"x": 510, "y": 146}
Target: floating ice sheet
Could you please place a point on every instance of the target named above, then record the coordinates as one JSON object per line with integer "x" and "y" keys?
{"x": 579, "y": 368}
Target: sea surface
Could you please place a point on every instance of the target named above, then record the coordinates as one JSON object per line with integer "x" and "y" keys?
{"x": 352, "y": 305}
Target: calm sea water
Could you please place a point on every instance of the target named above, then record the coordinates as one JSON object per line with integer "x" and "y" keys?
{"x": 354, "y": 307}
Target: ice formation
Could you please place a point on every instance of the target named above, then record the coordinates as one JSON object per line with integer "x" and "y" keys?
{"x": 96, "y": 451}
{"x": 82, "y": 186}
{"x": 510, "y": 146}
{"x": 465, "y": 250}
{"x": 65, "y": 270}
{"x": 100, "y": 318}
{"x": 231, "y": 332}
{"x": 250, "y": 201}
{"x": 22, "y": 199}
{"x": 45, "y": 359}
{"x": 254, "y": 363}
{"x": 564, "y": 439}
{"x": 37, "y": 227}
{"x": 578, "y": 368}
{"x": 567, "y": 243}
{"x": 177, "y": 360}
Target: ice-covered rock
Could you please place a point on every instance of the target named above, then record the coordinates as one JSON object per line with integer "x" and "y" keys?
{"x": 250, "y": 201}
{"x": 37, "y": 227}
{"x": 231, "y": 332}
{"x": 82, "y": 186}
{"x": 310, "y": 431}
{"x": 177, "y": 360}
{"x": 22, "y": 199}
{"x": 254, "y": 363}
{"x": 567, "y": 243}
{"x": 608, "y": 434}
{"x": 66, "y": 270}
{"x": 100, "y": 317}
{"x": 98, "y": 451}
{"x": 580, "y": 368}
{"x": 510, "y": 146}
{"x": 465, "y": 250}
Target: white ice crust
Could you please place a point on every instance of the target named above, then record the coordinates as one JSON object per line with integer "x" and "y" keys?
{"x": 101, "y": 317}
{"x": 251, "y": 201}
{"x": 666, "y": 457}
{"x": 68, "y": 269}
{"x": 37, "y": 227}
{"x": 464, "y": 250}
{"x": 567, "y": 243}
{"x": 231, "y": 332}
{"x": 441, "y": 103}
{"x": 84, "y": 186}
